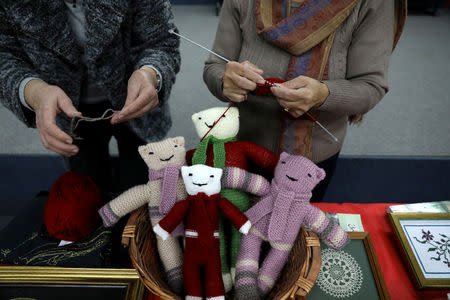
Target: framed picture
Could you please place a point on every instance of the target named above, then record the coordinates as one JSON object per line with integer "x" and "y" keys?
{"x": 350, "y": 273}
{"x": 23, "y": 282}
{"x": 425, "y": 238}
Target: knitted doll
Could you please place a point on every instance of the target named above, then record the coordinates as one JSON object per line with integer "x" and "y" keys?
{"x": 201, "y": 214}
{"x": 277, "y": 218}
{"x": 164, "y": 187}
{"x": 219, "y": 149}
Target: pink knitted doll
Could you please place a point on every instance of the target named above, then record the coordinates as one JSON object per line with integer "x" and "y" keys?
{"x": 277, "y": 218}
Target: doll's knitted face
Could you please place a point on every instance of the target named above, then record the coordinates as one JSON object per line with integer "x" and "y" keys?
{"x": 201, "y": 179}
{"x": 227, "y": 127}
{"x": 161, "y": 154}
{"x": 297, "y": 173}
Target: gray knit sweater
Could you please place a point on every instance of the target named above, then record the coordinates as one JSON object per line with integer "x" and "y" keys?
{"x": 357, "y": 71}
{"x": 36, "y": 41}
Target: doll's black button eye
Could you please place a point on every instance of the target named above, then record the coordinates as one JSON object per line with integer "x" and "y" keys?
{"x": 309, "y": 175}
{"x": 199, "y": 118}
{"x": 223, "y": 116}
{"x": 176, "y": 146}
{"x": 212, "y": 176}
{"x": 151, "y": 153}
{"x": 283, "y": 162}
{"x": 190, "y": 174}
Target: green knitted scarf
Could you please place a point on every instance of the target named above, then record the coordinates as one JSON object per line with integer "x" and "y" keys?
{"x": 218, "y": 150}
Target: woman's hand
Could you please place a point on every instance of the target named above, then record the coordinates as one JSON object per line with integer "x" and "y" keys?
{"x": 300, "y": 94}
{"x": 47, "y": 101}
{"x": 141, "y": 95}
{"x": 239, "y": 79}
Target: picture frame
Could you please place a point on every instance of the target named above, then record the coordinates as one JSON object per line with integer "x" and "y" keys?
{"x": 357, "y": 258}
{"x": 425, "y": 239}
{"x": 41, "y": 283}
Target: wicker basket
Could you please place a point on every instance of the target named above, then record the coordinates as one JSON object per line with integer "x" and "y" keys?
{"x": 297, "y": 279}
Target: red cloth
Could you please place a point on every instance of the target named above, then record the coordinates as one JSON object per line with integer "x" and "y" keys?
{"x": 376, "y": 221}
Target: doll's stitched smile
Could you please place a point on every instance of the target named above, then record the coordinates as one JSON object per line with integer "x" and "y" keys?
{"x": 291, "y": 178}
{"x": 210, "y": 126}
{"x": 199, "y": 184}
{"x": 167, "y": 159}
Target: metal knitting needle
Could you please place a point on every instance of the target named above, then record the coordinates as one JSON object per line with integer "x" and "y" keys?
{"x": 267, "y": 82}
{"x": 189, "y": 40}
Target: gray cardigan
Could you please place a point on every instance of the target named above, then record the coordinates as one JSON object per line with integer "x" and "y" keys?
{"x": 36, "y": 41}
{"x": 357, "y": 71}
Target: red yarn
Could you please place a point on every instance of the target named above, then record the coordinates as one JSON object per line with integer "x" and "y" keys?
{"x": 70, "y": 212}
{"x": 264, "y": 89}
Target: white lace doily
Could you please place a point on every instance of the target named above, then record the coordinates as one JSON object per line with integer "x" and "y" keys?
{"x": 340, "y": 275}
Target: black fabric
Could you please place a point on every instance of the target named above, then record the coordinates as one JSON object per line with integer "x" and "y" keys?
{"x": 93, "y": 158}
{"x": 25, "y": 241}
{"x": 329, "y": 165}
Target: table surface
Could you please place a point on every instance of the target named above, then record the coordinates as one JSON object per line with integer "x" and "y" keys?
{"x": 376, "y": 221}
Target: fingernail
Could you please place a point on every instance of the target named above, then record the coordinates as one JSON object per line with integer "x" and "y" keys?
{"x": 68, "y": 142}
{"x": 74, "y": 150}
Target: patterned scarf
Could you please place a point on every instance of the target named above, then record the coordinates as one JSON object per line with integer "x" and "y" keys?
{"x": 218, "y": 149}
{"x": 307, "y": 34}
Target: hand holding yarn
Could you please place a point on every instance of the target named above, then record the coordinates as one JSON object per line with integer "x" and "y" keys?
{"x": 141, "y": 95}
{"x": 239, "y": 79}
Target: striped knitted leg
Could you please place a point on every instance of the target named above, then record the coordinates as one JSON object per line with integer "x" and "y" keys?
{"x": 247, "y": 268}
{"x": 172, "y": 259}
{"x": 271, "y": 267}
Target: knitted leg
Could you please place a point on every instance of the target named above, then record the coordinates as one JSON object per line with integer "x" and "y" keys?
{"x": 247, "y": 268}
{"x": 226, "y": 277}
{"x": 242, "y": 202}
{"x": 271, "y": 267}
{"x": 214, "y": 288}
{"x": 171, "y": 257}
{"x": 191, "y": 274}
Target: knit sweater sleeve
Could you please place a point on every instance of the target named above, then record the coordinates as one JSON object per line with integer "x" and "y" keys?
{"x": 227, "y": 43}
{"x": 153, "y": 45}
{"x": 175, "y": 216}
{"x": 232, "y": 213}
{"x": 366, "y": 80}
{"x": 14, "y": 67}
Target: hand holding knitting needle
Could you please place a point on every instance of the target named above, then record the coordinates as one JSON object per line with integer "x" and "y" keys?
{"x": 300, "y": 94}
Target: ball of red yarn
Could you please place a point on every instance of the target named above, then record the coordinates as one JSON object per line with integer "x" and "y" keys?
{"x": 70, "y": 212}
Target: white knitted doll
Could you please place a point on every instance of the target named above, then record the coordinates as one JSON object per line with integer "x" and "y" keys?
{"x": 164, "y": 188}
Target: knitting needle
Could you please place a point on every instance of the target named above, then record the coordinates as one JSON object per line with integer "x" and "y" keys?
{"x": 273, "y": 84}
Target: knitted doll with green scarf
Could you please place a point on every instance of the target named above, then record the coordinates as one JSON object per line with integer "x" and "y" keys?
{"x": 219, "y": 148}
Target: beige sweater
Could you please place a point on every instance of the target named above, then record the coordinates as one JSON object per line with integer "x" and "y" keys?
{"x": 358, "y": 68}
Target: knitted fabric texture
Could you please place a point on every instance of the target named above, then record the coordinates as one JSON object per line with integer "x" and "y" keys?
{"x": 165, "y": 186}
{"x": 277, "y": 218}
{"x": 201, "y": 214}
{"x": 237, "y": 154}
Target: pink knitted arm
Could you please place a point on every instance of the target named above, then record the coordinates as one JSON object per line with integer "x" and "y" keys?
{"x": 328, "y": 230}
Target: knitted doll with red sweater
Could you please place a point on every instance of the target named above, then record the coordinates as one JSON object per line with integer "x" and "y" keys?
{"x": 165, "y": 186}
{"x": 219, "y": 149}
{"x": 201, "y": 214}
{"x": 277, "y": 218}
